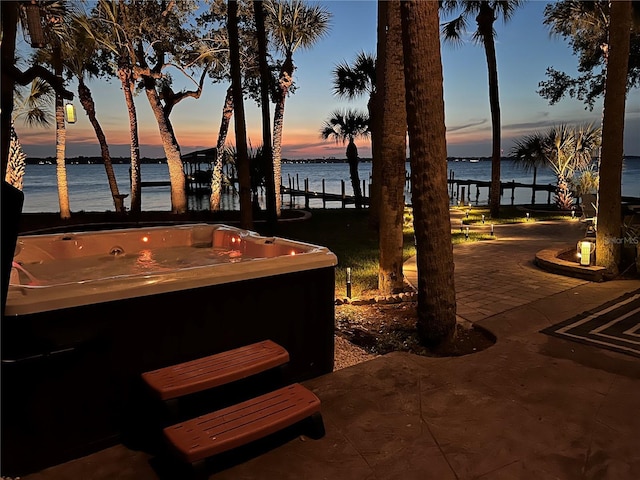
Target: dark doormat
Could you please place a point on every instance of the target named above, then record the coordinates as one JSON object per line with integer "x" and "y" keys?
{"x": 614, "y": 326}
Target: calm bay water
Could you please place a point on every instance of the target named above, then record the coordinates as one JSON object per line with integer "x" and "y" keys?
{"x": 89, "y": 191}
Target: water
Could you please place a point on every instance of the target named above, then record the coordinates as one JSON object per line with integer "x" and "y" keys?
{"x": 89, "y": 191}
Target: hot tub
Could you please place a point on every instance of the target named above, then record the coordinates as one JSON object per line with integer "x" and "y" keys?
{"x": 87, "y": 313}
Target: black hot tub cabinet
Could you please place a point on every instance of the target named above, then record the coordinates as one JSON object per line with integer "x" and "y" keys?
{"x": 77, "y": 336}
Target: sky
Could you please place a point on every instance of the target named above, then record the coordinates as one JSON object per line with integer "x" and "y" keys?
{"x": 524, "y": 51}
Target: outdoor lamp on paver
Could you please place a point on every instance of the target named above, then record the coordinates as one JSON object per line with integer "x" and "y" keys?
{"x": 585, "y": 249}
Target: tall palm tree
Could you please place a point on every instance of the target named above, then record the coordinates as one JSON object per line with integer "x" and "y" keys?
{"x": 393, "y": 154}
{"x": 351, "y": 81}
{"x": 345, "y": 127}
{"x": 486, "y": 12}
{"x": 608, "y": 252}
{"x": 57, "y": 19}
{"x": 566, "y": 150}
{"x": 79, "y": 52}
{"x": 61, "y": 142}
{"x": 292, "y": 24}
{"x": 107, "y": 26}
{"x": 265, "y": 83}
{"x": 425, "y": 117}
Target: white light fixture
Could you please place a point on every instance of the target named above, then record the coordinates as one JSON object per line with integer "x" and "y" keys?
{"x": 70, "y": 113}
{"x": 585, "y": 250}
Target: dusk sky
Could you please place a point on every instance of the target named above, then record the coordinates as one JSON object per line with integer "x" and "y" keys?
{"x": 524, "y": 50}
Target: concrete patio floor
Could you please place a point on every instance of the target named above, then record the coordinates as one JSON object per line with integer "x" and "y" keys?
{"x": 530, "y": 407}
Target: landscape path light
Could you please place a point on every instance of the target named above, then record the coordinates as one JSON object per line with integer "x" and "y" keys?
{"x": 348, "y": 282}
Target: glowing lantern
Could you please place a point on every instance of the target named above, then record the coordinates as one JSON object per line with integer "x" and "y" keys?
{"x": 70, "y": 113}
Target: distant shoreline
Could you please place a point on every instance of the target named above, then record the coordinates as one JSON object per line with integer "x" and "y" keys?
{"x": 82, "y": 160}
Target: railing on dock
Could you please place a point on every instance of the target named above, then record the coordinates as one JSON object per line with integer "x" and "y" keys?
{"x": 460, "y": 190}
{"x": 293, "y": 190}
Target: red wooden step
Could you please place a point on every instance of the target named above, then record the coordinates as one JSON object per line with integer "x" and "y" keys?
{"x": 231, "y": 427}
{"x": 215, "y": 370}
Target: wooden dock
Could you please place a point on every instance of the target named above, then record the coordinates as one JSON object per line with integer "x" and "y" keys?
{"x": 326, "y": 197}
{"x": 460, "y": 190}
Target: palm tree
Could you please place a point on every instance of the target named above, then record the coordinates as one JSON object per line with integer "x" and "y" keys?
{"x": 293, "y": 25}
{"x": 566, "y": 151}
{"x": 61, "y": 142}
{"x": 393, "y": 153}
{"x": 57, "y": 20}
{"x": 345, "y": 127}
{"x": 608, "y": 252}
{"x": 436, "y": 322}
{"x": 79, "y": 52}
{"x": 529, "y": 155}
{"x": 107, "y": 26}
{"x": 486, "y": 13}
{"x": 265, "y": 83}
{"x": 353, "y": 80}
{"x": 34, "y": 109}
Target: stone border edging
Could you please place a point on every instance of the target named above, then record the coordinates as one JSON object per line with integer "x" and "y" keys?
{"x": 548, "y": 260}
{"x": 379, "y": 299}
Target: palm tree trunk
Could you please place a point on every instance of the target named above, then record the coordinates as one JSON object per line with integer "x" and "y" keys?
{"x": 216, "y": 169}
{"x": 267, "y": 151}
{"x": 61, "y": 140}
{"x": 608, "y": 248}
{"x": 284, "y": 84}
{"x": 375, "y": 108}
{"x": 352, "y": 158}
{"x": 485, "y": 20}
{"x": 425, "y": 117}
{"x": 393, "y": 150}
{"x": 244, "y": 174}
{"x": 124, "y": 73}
{"x": 171, "y": 149}
{"x": 86, "y": 100}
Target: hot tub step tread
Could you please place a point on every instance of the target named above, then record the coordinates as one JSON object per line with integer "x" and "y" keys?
{"x": 237, "y": 425}
{"x": 215, "y": 370}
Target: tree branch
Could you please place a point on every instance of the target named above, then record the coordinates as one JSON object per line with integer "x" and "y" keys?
{"x": 38, "y": 71}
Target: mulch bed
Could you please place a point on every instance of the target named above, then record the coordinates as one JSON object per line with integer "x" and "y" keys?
{"x": 380, "y": 329}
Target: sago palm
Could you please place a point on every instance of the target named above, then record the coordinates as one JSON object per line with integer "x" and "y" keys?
{"x": 566, "y": 150}
{"x": 33, "y": 109}
{"x": 292, "y": 24}
{"x": 345, "y": 127}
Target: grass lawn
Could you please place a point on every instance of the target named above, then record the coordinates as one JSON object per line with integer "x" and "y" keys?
{"x": 346, "y": 233}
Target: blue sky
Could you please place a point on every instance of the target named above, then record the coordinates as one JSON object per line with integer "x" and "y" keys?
{"x": 524, "y": 51}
